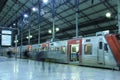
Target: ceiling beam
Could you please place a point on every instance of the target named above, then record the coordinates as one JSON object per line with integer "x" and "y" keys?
{"x": 2, "y": 4}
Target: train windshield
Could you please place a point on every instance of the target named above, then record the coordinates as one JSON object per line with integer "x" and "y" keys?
{"x": 118, "y": 38}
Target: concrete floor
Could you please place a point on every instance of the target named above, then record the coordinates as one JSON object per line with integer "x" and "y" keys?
{"x": 20, "y": 69}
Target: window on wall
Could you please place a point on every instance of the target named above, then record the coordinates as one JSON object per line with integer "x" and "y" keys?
{"x": 88, "y": 49}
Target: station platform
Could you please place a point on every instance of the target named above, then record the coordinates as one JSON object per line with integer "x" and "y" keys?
{"x": 23, "y": 69}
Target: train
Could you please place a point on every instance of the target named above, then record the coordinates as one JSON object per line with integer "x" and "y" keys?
{"x": 101, "y": 50}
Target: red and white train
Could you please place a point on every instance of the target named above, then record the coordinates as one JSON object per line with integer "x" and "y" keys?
{"x": 102, "y": 50}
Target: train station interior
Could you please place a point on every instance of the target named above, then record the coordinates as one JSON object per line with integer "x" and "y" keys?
{"x": 59, "y": 39}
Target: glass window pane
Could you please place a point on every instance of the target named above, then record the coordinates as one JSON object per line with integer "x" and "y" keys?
{"x": 74, "y": 48}
{"x": 57, "y": 48}
{"x": 100, "y": 45}
{"x": 88, "y": 49}
{"x": 63, "y": 49}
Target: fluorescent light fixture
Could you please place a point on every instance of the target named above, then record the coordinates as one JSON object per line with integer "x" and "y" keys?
{"x": 49, "y": 31}
{"x": 16, "y": 41}
{"x": 25, "y": 15}
{"x": 45, "y": 1}
{"x": 108, "y": 14}
{"x": 29, "y": 37}
{"x": 57, "y": 29}
{"x": 34, "y": 9}
{"x": 14, "y": 24}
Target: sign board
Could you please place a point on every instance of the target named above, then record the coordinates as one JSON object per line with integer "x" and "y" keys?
{"x": 6, "y": 32}
{"x": 6, "y": 38}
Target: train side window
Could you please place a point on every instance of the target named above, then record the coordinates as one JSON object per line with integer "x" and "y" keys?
{"x": 33, "y": 50}
{"x": 46, "y": 48}
{"x": 63, "y": 49}
{"x": 100, "y": 45}
{"x": 39, "y": 49}
{"x": 52, "y": 48}
{"x": 105, "y": 47}
{"x": 74, "y": 48}
{"x": 56, "y": 48}
{"x": 88, "y": 49}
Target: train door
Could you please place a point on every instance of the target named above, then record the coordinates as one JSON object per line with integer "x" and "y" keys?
{"x": 74, "y": 52}
{"x": 101, "y": 52}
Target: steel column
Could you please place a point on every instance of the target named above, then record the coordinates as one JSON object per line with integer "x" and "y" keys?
{"x": 16, "y": 36}
{"x": 29, "y": 37}
{"x": 53, "y": 17}
{"x": 119, "y": 16}
{"x": 76, "y": 10}
{"x": 21, "y": 43}
{"x": 39, "y": 10}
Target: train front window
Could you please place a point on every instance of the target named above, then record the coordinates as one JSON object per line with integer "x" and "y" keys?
{"x": 118, "y": 38}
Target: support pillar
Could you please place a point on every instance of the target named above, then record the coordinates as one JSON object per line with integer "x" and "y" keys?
{"x": 21, "y": 44}
{"x": 119, "y": 16}
{"x": 76, "y": 11}
{"x": 53, "y": 17}
{"x": 39, "y": 11}
{"x": 16, "y": 45}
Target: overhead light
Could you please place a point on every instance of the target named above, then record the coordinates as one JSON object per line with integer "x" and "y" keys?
{"x": 27, "y": 37}
{"x": 49, "y": 31}
{"x": 16, "y": 41}
{"x": 34, "y": 9}
{"x": 45, "y": 1}
{"x": 30, "y": 36}
{"x": 57, "y": 29}
{"x": 25, "y": 15}
{"x": 108, "y": 14}
{"x": 14, "y": 24}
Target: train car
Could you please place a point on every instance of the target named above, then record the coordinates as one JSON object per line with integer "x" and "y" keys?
{"x": 102, "y": 50}
{"x": 56, "y": 51}
{"x": 94, "y": 51}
